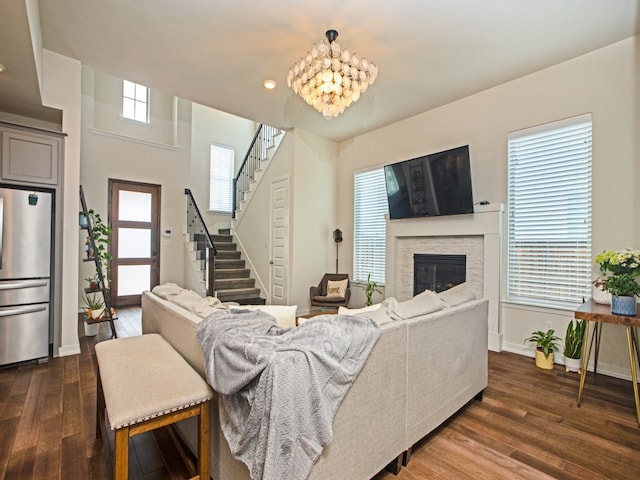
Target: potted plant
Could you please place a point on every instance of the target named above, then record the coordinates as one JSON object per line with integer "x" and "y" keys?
{"x": 369, "y": 289}
{"x": 621, "y": 269}
{"x": 573, "y": 342}
{"x": 546, "y": 344}
{"x": 93, "y": 283}
{"x": 94, "y": 305}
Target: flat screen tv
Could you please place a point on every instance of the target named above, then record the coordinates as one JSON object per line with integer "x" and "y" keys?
{"x": 432, "y": 185}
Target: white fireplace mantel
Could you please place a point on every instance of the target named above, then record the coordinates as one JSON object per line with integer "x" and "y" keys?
{"x": 486, "y": 222}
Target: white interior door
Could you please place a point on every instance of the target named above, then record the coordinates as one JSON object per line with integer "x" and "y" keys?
{"x": 279, "y": 239}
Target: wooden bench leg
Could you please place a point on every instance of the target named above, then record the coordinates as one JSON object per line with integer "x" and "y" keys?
{"x": 121, "y": 454}
{"x": 204, "y": 441}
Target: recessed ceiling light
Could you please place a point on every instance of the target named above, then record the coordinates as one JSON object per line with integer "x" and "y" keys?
{"x": 2, "y": 69}
{"x": 269, "y": 84}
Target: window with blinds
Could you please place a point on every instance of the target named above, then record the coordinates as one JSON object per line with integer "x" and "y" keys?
{"x": 549, "y": 214}
{"x": 135, "y": 101}
{"x": 221, "y": 178}
{"x": 369, "y": 242}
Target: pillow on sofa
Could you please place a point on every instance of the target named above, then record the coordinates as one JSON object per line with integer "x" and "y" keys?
{"x": 457, "y": 295}
{"x": 356, "y": 311}
{"x": 422, "y": 304}
{"x": 336, "y": 288}
{"x": 167, "y": 290}
{"x": 285, "y": 315}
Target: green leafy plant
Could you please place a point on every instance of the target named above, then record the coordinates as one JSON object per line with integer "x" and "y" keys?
{"x": 101, "y": 239}
{"x": 546, "y": 342}
{"x": 622, "y": 285}
{"x": 370, "y": 288}
{"x": 574, "y": 338}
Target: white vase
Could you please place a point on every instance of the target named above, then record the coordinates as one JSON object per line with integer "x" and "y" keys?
{"x": 91, "y": 329}
{"x": 572, "y": 364}
{"x": 600, "y": 296}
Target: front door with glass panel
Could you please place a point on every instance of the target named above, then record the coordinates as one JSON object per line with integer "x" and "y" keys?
{"x": 134, "y": 213}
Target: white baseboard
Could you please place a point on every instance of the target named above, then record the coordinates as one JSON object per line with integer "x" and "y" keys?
{"x": 67, "y": 350}
{"x": 603, "y": 368}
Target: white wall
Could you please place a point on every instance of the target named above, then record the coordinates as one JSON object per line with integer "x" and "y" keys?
{"x": 123, "y": 155}
{"x": 603, "y": 82}
{"x": 309, "y": 163}
{"x": 213, "y": 126}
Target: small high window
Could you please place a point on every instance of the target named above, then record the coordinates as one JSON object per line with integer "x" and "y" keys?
{"x": 135, "y": 101}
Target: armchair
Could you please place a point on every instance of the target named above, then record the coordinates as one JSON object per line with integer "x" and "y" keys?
{"x": 318, "y": 294}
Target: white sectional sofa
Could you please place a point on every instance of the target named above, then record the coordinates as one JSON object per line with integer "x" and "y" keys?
{"x": 419, "y": 373}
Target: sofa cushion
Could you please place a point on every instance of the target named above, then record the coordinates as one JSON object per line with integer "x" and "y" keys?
{"x": 356, "y": 311}
{"x": 336, "y": 288}
{"x": 375, "y": 312}
{"x": 457, "y": 295}
{"x": 285, "y": 315}
{"x": 422, "y": 304}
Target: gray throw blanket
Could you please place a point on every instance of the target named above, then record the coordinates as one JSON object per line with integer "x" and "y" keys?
{"x": 280, "y": 388}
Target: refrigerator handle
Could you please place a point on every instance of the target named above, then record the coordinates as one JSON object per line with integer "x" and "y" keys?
{"x": 16, "y": 284}
{"x": 1, "y": 228}
{"x": 21, "y": 310}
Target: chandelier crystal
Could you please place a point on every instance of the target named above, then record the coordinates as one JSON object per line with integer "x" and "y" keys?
{"x": 330, "y": 77}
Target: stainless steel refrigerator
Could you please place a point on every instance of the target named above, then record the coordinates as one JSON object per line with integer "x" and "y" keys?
{"x": 25, "y": 271}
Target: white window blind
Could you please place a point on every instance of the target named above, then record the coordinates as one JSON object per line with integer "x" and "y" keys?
{"x": 549, "y": 242}
{"x": 135, "y": 101}
{"x": 221, "y": 178}
{"x": 369, "y": 243}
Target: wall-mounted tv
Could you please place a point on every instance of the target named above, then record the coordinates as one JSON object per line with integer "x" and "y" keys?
{"x": 432, "y": 185}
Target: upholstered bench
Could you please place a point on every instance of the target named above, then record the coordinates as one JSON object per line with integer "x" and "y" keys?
{"x": 145, "y": 384}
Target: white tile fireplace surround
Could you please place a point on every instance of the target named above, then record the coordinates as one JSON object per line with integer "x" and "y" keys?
{"x": 477, "y": 235}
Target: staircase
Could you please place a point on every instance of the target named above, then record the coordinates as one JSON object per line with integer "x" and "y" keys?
{"x": 217, "y": 267}
{"x": 233, "y": 283}
{"x": 263, "y": 146}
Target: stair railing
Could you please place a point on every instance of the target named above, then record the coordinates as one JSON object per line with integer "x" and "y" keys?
{"x": 199, "y": 234}
{"x": 262, "y": 140}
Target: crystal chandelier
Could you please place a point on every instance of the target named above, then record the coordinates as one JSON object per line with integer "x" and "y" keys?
{"x": 330, "y": 78}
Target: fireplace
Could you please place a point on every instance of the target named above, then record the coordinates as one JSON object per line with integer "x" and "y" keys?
{"x": 438, "y": 272}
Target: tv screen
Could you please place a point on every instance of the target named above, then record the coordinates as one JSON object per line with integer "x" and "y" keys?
{"x": 432, "y": 185}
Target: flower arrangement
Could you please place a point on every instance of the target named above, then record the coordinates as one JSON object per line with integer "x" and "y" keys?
{"x": 620, "y": 269}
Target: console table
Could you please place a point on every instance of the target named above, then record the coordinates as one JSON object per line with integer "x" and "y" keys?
{"x": 595, "y": 312}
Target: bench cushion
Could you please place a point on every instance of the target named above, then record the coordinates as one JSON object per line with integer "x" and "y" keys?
{"x": 144, "y": 377}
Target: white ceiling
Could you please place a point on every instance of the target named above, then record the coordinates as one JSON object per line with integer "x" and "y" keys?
{"x": 217, "y": 53}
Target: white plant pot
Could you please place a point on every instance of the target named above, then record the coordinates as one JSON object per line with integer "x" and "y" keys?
{"x": 95, "y": 314}
{"x": 572, "y": 364}
{"x": 91, "y": 329}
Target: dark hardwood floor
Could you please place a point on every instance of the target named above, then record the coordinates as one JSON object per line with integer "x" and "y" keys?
{"x": 527, "y": 426}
